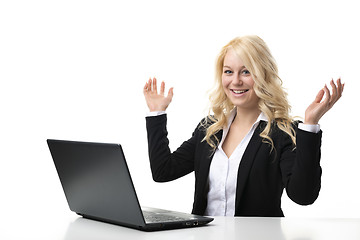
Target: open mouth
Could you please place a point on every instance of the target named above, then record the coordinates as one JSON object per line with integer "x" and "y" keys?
{"x": 239, "y": 91}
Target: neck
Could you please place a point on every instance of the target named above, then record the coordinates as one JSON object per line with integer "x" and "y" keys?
{"x": 246, "y": 116}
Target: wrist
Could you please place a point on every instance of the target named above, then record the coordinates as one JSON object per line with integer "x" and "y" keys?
{"x": 309, "y": 121}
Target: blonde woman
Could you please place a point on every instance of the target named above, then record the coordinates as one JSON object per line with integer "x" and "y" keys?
{"x": 249, "y": 149}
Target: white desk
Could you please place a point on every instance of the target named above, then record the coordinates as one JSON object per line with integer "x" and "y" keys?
{"x": 226, "y": 228}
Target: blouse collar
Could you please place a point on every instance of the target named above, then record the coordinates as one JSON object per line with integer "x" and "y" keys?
{"x": 231, "y": 118}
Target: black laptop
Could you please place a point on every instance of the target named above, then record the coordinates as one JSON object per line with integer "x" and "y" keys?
{"x": 97, "y": 185}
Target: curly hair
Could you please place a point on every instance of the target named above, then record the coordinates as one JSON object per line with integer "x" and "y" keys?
{"x": 257, "y": 58}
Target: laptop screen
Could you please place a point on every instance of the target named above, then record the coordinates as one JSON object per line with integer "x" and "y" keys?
{"x": 96, "y": 180}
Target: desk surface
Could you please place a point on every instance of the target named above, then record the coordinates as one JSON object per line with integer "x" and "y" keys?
{"x": 226, "y": 228}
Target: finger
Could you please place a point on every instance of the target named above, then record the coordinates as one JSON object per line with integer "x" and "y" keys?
{"x": 334, "y": 95}
{"x": 145, "y": 88}
{"x": 327, "y": 97}
{"x": 340, "y": 87}
{"x": 170, "y": 93}
{"x": 154, "y": 85}
{"x": 319, "y": 96}
{"x": 162, "y": 88}
{"x": 150, "y": 85}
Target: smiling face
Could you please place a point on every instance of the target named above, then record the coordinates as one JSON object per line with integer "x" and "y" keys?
{"x": 238, "y": 83}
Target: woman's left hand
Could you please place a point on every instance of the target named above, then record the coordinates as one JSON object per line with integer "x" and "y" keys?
{"x": 318, "y": 108}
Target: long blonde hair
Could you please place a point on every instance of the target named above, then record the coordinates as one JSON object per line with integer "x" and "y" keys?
{"x": 273, "y": 102}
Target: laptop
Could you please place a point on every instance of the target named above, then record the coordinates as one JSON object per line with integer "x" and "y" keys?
{"x": 97, "y": 185}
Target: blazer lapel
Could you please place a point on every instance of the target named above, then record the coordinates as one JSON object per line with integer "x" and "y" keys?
{"x": 210, "y": 152}
{"x": 207, "y": 156}
{"x": 246, "y": 162}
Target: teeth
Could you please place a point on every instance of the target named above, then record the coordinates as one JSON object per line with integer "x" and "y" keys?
{"x": 239, "y": 91}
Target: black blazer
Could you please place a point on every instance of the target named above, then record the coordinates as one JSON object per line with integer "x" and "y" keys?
{"x": 262, "y": 173}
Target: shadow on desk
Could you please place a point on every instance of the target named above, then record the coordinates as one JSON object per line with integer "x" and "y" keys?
{"x": 221, "y": 228}
{"x": 83, "y": 228}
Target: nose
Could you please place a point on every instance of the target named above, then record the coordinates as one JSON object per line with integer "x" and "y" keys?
{"x": 237, "y": 79}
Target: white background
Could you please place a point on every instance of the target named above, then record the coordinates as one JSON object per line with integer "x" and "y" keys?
{"x": 76, "y": 69}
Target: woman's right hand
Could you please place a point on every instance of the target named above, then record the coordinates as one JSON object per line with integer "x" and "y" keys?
{"x": 157, "y": 101}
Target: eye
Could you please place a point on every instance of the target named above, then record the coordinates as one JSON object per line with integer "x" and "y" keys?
{"x": 228, "y": 72}
{"x": 245, "y": 72}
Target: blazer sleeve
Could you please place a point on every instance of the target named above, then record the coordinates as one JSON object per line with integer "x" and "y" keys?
{"x": 301, "y": 170}
{"x": 166, "y": 165}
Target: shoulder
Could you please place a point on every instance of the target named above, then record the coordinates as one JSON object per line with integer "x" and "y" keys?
{"x": 202, "y": 129}
{"x": 281, "y": 132}
{"x": 276, "y": 125}
{"x": 206, "y": 122}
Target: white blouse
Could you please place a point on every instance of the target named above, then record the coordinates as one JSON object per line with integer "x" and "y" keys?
{"x": 223, "y": 173}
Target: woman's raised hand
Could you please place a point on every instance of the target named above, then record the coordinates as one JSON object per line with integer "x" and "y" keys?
{"x": 157, "y": 101}
{"x": 318, "y": 108}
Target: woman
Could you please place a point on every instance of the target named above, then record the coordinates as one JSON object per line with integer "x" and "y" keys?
{"x": 250, "y": 149}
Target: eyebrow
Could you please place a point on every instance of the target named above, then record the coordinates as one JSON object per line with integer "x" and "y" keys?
{"x": 225, "y": 66}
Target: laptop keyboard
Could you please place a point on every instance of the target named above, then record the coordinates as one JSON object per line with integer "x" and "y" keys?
{"x": 151, "y": 217}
